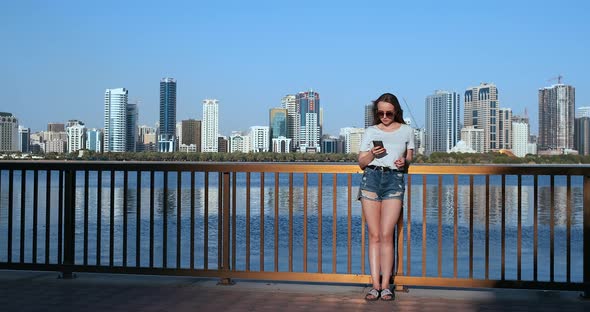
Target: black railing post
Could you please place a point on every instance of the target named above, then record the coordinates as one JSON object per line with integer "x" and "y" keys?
{"x": 225, "y": 191}
{"x": 586, "y": 234}
{"x": 69, "y": 223}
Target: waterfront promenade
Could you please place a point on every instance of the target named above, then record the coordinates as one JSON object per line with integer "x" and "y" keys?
{"x": 44, "y": 291}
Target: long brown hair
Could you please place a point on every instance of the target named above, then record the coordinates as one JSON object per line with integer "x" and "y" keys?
{"x": 391, "y": 99}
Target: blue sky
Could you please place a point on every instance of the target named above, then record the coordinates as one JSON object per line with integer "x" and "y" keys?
{"x": 58, "y": 57}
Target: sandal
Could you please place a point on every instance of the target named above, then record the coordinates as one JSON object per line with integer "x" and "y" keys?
{"x": 386, "y": 295}
{"x": 372, "y": 295}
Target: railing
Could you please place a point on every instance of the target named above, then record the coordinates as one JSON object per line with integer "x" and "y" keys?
{"x": 462, "y": 226}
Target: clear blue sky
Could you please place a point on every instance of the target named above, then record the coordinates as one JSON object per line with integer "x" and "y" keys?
{"x": 58, "y": 57}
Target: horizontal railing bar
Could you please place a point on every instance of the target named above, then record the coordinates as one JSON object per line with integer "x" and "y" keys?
{"x": 315, "y": 167}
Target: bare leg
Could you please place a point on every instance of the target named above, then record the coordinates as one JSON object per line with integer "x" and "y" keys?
{"x": 390, "y": 211}
{"x": 372, "y": 212}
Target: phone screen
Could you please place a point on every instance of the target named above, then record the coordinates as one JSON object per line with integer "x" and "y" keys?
{"x": 377, "y": 143}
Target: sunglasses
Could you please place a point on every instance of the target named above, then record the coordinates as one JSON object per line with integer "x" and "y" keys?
{"x": 382, "y": 114}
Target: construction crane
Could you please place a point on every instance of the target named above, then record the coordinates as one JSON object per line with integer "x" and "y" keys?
{"x": 411, "y": 115}
{"x": 558, "y": 78}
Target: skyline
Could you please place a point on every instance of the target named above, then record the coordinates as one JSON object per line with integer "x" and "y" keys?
{"x": 63, "y": 55}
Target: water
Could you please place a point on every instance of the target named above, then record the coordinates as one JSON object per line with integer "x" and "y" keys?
{"x": 262, "y": 200}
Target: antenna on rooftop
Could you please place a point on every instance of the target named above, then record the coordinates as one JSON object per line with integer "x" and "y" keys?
{"x": 558, "y": 78}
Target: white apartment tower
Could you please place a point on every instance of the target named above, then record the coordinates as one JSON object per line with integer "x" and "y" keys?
{"x": 259, "y": 139}
{"x": 473, "y": 138}
{"x": 442, "y": 121}
{"x": 210, "y": 126}
{"x": 76, "y": 131}
{"x": 520, "y": 138}
{"x": 115, "y": 120}
{"x": 505, "y": 128}
{"x": 481, "y": 112}
{"x": 293, "y": 119}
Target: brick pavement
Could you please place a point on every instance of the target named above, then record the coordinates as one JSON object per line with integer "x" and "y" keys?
{"x": 43, "y": 291}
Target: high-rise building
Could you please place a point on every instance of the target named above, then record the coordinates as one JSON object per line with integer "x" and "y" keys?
{"x": 289, "y": 103}
{"x": 131, "y": 125}
{"x": 310, "y": 130}
{"x": 167, "y": 130}
{"x": 556, "y": 117}
{"x": 239, "y": 143}
{"x": 56, "y": 127}
{"x": 582, "y": 135}
{"x": 352, "y": 139}
{"x": 442, "y": 121}
{"x": 520, "y": 138}
{"x": 481, "y": 112}
{"x": 210, "y": 126}
{"x": 278, "y": 123}
{"x": 473, "y": 138}
{"x": 24, "y": 139}
{"x": 94, "y": 140}
{"x": 505, "y": 128}
{"x": 115, "y": 119}
{"x": 76, "y": 131}
{"x": 222, "y": 144}
{"x": 369, "y": 115}
{"x": 583, "y": 111}
{"x": 8, "y": 133}
{"x": 191, "y": 134}
{"x": 259, "y": 139}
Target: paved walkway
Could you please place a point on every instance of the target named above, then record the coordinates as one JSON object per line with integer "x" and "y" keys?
{"x": 43, "y": 291}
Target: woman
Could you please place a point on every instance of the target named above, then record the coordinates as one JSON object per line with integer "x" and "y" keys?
{"x": 386, "y": 149}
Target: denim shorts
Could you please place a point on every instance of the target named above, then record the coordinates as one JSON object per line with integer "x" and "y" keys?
{"x": 382, "y": 184}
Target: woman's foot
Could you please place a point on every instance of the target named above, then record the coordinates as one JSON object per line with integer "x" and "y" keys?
{"x": 386, "y": 294}
{"x": 372, "y": 295}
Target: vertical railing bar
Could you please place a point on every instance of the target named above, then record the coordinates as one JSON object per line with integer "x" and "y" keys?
{"x": 192, "y": 248}
{"x": 98, "y": 216}
{"x": 487, "y": 233}
{"x": 206, "y": 224}
{"x": 152, "y": 221}
{"x": 320, "y": 217}
{"x": 586, "y": 229}
{"x": 305, "y": 222}
{"x": 424, "y": 225}
{"x": 552, "y": 230}
{"x": 125, "y": 210}
{"x": 138, "y": 221}
{"x": 471, "y": 194}
{"x": 261, "y": 221}
{"x": 47, "y": 214}
{"x": 35, "y": 212}
{"x": 568, "y": 206}
{"x": 10, "y": 214}
{"x": 112, "y": 221}
{"x": 290, "y": 221}
{"x": 178, "y": 217}
{"x": 349, "y": 225}
{"x": 247, "y": 221}
{"x": 220, "y": 215}
{"x": 234, "y": 219}
{"x": 334, "y": 220}
{"x": 60, "y": 211}
{"x": 86, "y": 190}
{"x": 535, "y": 225}
{"x": 225, "y": 228}
{"x": 440, "y": 212}
{"x": 165, "y": 222}
{"x": 23, "y": 197}
{"x": 503, "y": 230}
{"x": 455, "y": 224}
{"x": 276, "y": 223}
{"x": 409, "y": 227}
{"x": 69, "y": 219}
{"x": 519, "y": 230}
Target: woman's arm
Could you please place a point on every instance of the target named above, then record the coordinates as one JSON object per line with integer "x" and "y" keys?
{"x": 365, "y": 158}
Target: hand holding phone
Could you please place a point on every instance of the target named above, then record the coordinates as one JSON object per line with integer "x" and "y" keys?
{"x": 378, "y": 149}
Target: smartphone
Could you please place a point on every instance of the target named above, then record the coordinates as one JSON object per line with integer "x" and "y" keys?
{"x": 377, "y": 143}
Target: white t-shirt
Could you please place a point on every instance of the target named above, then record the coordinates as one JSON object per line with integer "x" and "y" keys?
{"x": 396, "y": 143}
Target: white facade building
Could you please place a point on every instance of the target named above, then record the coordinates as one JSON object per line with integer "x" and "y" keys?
{"x": 473, "y": 138}
{"x": 293, "y": 118}
{"x": 520, "y": 138}
{"x": 94, "y": 140}
{"x": 352, "y": 139}
{"x": 210, "y": 126}
{"x": 239, "y": 143}
{"x": 442, "y": 121}
{"x": 259, "y": 139}
{"x": 76, "y": 132}
{"x": 281, "y": 145}
{"x": 115, "y": 120}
